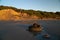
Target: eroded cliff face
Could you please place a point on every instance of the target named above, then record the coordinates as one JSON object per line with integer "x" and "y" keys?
{"x": 10, "y": 14}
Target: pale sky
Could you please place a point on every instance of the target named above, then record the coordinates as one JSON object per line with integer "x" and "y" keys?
{"x": 43, "y": 5}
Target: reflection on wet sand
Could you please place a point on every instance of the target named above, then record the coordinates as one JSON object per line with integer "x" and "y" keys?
{"x": 9, "y": 31}
{"x": 12, "y": 30}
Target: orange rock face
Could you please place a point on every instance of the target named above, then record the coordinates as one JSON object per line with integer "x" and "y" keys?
{"x": 10, "y": 14}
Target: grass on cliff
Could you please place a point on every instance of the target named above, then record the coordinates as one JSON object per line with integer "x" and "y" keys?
{"x": 38, "y": 13}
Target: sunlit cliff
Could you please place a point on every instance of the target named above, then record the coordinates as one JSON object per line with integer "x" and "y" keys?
{"x": 9, "y": 14}
{"x": 12, "y": 13}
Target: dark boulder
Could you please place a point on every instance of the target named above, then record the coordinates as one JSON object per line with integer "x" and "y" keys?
{"x": 35, "y": 28}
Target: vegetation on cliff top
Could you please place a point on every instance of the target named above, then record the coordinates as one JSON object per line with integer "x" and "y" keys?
{"x": 40, "y": 14}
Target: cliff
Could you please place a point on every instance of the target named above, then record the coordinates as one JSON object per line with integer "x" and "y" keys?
{"x": 12, "y": 13}
{"x": 8, "y": 14}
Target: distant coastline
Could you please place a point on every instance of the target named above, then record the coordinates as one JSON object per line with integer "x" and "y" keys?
{"x": 12, "y": 13}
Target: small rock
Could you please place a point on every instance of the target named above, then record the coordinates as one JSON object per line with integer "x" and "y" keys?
{"x": 46, "y": 36}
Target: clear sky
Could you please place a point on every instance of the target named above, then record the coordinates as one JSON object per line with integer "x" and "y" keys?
{"x": 43, "y": 5}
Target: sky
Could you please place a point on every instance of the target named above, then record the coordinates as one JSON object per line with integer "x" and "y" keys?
{"x": 43, "y": 5}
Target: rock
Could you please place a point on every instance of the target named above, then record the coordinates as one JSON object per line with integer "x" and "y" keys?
{"x": 35, "y": 28}
{"x": 46, "y": 36}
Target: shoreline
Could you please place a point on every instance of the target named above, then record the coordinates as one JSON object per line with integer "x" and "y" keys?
{"x": 41, "y": 19}
{"x": 32, "y": 19}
